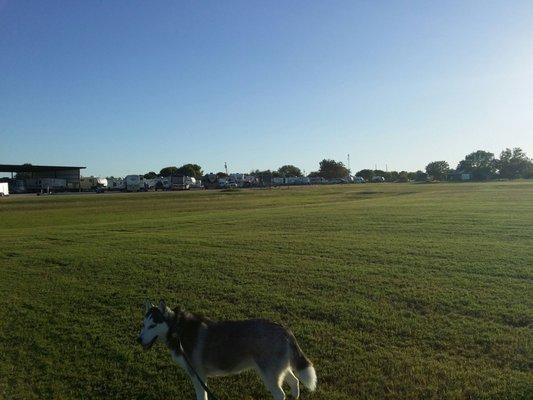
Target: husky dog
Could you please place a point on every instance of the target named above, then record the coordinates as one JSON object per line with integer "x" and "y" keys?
{"x": 207, "y": 348}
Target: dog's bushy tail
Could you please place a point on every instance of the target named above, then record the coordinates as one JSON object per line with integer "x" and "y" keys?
{"x": 301, "y": 366}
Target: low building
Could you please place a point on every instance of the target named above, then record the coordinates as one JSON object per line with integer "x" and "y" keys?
{"x": 31, "y": 178}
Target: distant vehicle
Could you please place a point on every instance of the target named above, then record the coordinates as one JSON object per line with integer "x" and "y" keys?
{"x": 134, "y": 183}
{"x": 359, "y": 179}
{"x": 19, "y": 186}
{"x": 210, "y": 181}
{"x": 88, "y": 183}
{"x": 378, "y": 179}
{"x": 232, "y": 185}
{"x": 46, "y": 185}
{"x": 236, "y": 178}
{"x": 102, "y": 182}
{"x": 338, "y": 180}
{"x": 115, "y": 184}
{"x": 150, "y": 184}
{"x": 181, "y": 182}
{"x": 316, "y": 180}
{"x": 4, "y": 189}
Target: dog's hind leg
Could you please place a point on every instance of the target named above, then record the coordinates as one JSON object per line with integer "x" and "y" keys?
{"x": 294, "y": 383}
{"x": 273, "y": 383}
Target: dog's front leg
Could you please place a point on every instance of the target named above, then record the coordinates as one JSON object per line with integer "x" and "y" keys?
{"x": 201, "y": 394}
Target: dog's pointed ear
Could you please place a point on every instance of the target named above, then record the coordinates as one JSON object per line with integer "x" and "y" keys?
{"x": 162, "y": 306}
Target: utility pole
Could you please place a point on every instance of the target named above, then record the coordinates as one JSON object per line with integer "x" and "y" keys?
{"x": 226, "y": 167}
{"x": 348, "y": 160}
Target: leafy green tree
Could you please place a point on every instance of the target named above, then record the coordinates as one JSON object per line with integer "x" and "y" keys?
{"x": 438, "y": 170}
{"x": 333, "y": 169}
{"x": 150, "y": 175}
{"x": 259, "y": 174}
{"x": 393, "y": 176}
{"x": 481, "y": 164}
{"x": 289, "y": 170}
{"x": 193, "y": 170}
{"x": 221, "y": 175}
{"x": 403, "y": 176}
{"x": 514, "y": 163}
{"x": 366, "y": 174}
{"x": 169, "y": 171}
{"x": 420, "y": 176}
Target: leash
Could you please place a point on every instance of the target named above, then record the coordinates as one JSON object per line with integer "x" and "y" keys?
{"x": 210, "y": 394}
{"x": 177, "y": 336}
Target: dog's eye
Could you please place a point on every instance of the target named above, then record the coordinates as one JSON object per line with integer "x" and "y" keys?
{"x": 151, "y": 326}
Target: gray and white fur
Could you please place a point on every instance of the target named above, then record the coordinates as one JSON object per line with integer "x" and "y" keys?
{"x": 218, "y": 348}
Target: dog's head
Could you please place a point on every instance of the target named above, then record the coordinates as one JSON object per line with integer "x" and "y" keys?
{"x": 155, "y": 324}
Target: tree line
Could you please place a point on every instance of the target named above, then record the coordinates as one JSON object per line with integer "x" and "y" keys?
{"x": 480, "y": 165}
{"x": 483, "y": 165}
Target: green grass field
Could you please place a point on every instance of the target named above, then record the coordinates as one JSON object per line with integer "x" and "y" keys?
{"x": 394, "y": 291}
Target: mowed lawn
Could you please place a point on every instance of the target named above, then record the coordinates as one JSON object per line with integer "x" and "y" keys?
{"x": 394, "y": 291}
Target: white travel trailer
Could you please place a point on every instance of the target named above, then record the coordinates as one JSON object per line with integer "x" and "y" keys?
{"x": 134, "y": 183}
{"x": 4, "y": 189}
{"x": 358, "y": 179}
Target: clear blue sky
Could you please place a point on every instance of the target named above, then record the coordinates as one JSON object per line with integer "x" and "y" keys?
{"x": 128, "y": 87}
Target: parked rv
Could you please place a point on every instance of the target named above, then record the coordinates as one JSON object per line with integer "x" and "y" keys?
{"x": 134, "y": 183}
{"x": 317, "y": 180}
{"x": 181, "y": 182}
{"x": 358, "y": 179}
{"x": 150, "y": 184}
{"x": 116, "y": 184}
{"x": 88, "y": 183}
{"x": 210, "y": 181}
{"x": 338, "y": 180}
{"x": 19, "y": 186}
{"x": 46, "y": 185}
{"x": 378, "y": 179}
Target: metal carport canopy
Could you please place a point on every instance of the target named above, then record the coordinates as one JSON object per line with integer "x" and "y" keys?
{"x": 34, "y": 168}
